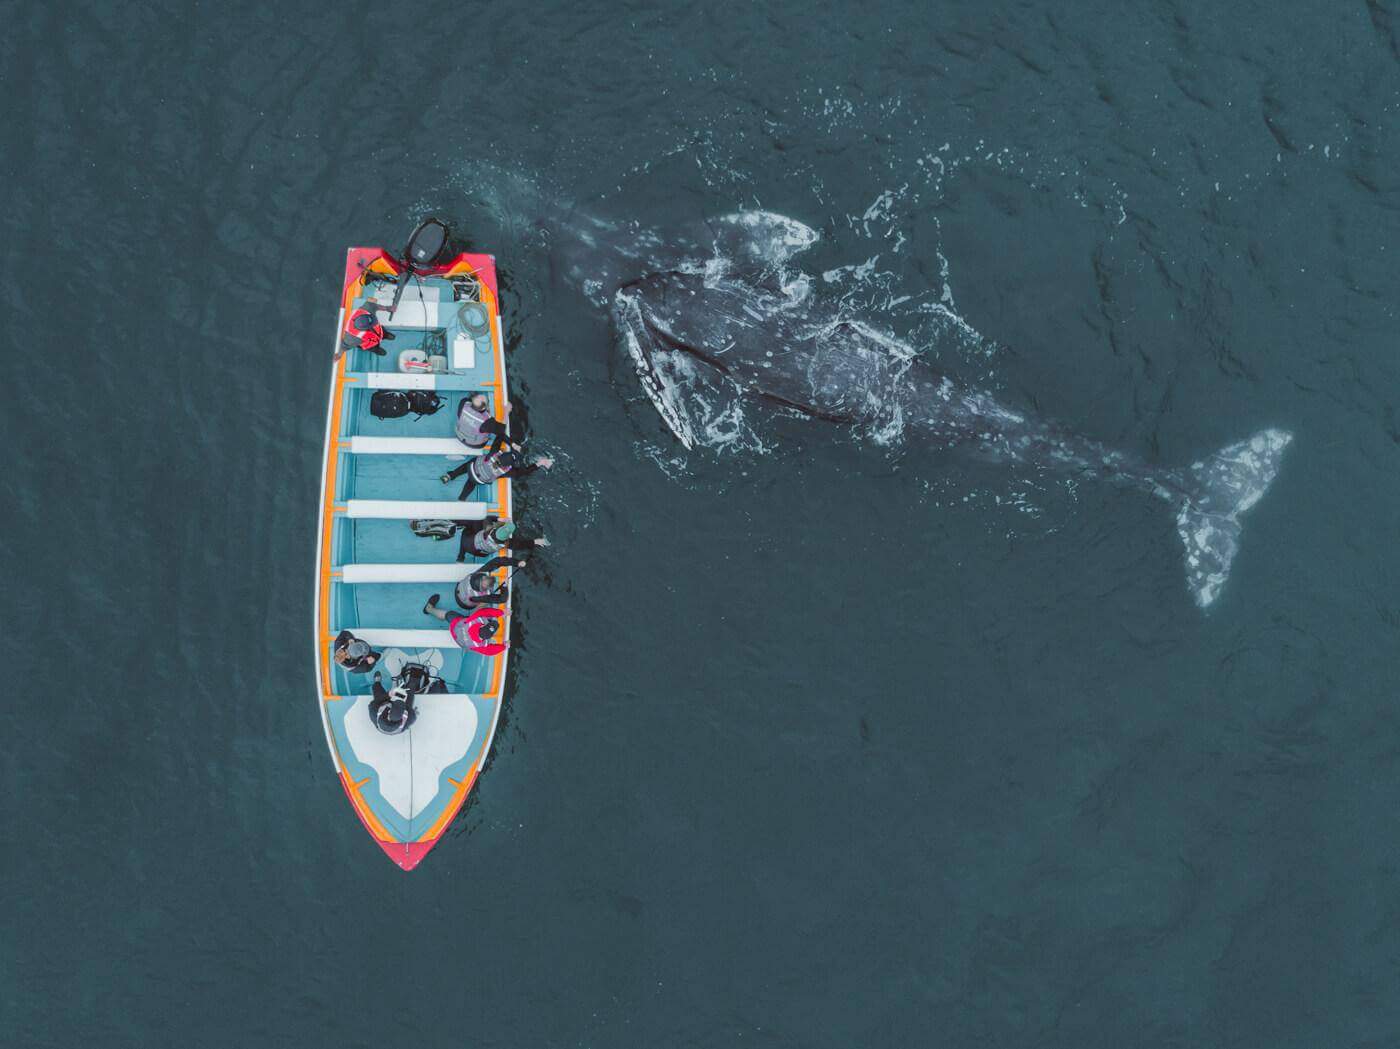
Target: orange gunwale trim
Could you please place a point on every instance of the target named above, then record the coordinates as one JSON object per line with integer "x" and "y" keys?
{"x": 371, "y": 821}
{"x": 464, "y": 788}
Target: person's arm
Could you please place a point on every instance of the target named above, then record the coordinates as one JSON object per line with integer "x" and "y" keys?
{"x": 539, "y": 462}
{"x": 342, "y": 639}
{"x": 380, "y": 696}
{"x": 496, "y": 428}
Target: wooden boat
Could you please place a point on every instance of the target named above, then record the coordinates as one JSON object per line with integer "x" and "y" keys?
{"x": 373, "y": 572}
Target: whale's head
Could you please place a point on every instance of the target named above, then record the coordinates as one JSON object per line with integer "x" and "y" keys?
{"x": 696, "y": 335}
{"x": 663, "y": 322}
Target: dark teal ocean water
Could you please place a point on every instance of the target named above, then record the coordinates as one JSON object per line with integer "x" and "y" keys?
{"x": 819, "y": 743}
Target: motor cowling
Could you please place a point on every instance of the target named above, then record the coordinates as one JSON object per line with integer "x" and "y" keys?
{"x": 426, "y": 245}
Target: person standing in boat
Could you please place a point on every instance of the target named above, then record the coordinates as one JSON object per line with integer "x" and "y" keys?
{"x": 392, "y": 710}
{"x": 476, "y": 632}
{"x": 363, "y": 331}
{"x": 493, "y": 537}
{"x": 354, "y": 655}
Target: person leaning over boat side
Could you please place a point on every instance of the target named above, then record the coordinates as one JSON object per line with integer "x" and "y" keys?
{"x": 495, "y": 464}
{"x": 476, "y": 426}
{"x": 392, "y": 710}
{"x": 494, "y": 537}
{"x": 363, "y": 330}
{"x": 354, "y": 655}
{"x": 480, "y": 588}
{"x": 475, "y": 632}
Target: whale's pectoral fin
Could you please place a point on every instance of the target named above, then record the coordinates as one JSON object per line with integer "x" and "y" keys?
{"x": 1225, "y": 485}
{"x": 657, "y": 367}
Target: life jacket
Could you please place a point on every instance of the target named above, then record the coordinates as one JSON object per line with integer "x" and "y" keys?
{"x": 392, "y": 712}
{"x": 467, "y": 632}
{"x": 465, "y": 591}
{"x": 394, "y": 717}
{"x": 484, "y": 542}
{"x": 469, "y": 424}
{"x": 364, "y": 338}
{"x": 486, "y": 469}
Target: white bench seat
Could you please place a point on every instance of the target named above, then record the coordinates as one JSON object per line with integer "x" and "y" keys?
{"x": 419, "y": 381}
{"x": 434, "y": 573}
{"x": 408, "y": 509}
{"x": 361, "y": 445}
{"x": 384, "y": 638}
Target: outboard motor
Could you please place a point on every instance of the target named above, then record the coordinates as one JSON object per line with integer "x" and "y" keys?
{"x": 426, "y": 245}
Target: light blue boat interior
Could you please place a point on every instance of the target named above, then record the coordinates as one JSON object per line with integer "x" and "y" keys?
{"x": 370, "y": 541}
{"x": 374, "y": 541}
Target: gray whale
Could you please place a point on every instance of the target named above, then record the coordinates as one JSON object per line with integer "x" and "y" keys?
{"x": 736, "y": 316}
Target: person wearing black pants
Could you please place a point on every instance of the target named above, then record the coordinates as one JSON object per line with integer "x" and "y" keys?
{"x": 493, "y": 537}
{"x": 497, "y": 463}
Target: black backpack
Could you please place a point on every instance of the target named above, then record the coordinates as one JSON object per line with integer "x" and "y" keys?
{"x": 389, "y": 404}
{"x": 419, "y": 679}
{"x": 424, "y": 402}
{"x": 395, "y": 404}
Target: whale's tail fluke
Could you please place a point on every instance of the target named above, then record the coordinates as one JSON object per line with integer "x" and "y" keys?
{"x": 1222, "y": 488}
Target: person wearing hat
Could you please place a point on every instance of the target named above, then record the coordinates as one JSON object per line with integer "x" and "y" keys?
{"x": 353, "y": 654}
{"x": 392, "y": 710}
{"x": 494, "y": 537}
{"x": 363, "y": 330}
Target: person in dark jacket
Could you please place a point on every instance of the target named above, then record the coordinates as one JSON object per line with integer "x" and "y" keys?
{"x": 354, "y": 655}
{"x": 505, "y": 458}
{"x": 482, "y": 588}
{"x": 392, "y": 710}
{"x": 476, "y": 427}
{"x": 493, "y": 537}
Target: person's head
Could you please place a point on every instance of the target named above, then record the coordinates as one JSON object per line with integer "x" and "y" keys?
{"x": 504, "y": 531}
{"x": 486, "y": 629}
{"x": 479, "y": 402}
{"x": 508, "y": 458}
{"x": 363, "y": 321}
{"x": 481, "y": 582}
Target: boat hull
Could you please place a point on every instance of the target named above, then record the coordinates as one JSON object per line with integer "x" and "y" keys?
{"x": 373, "y": 572}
